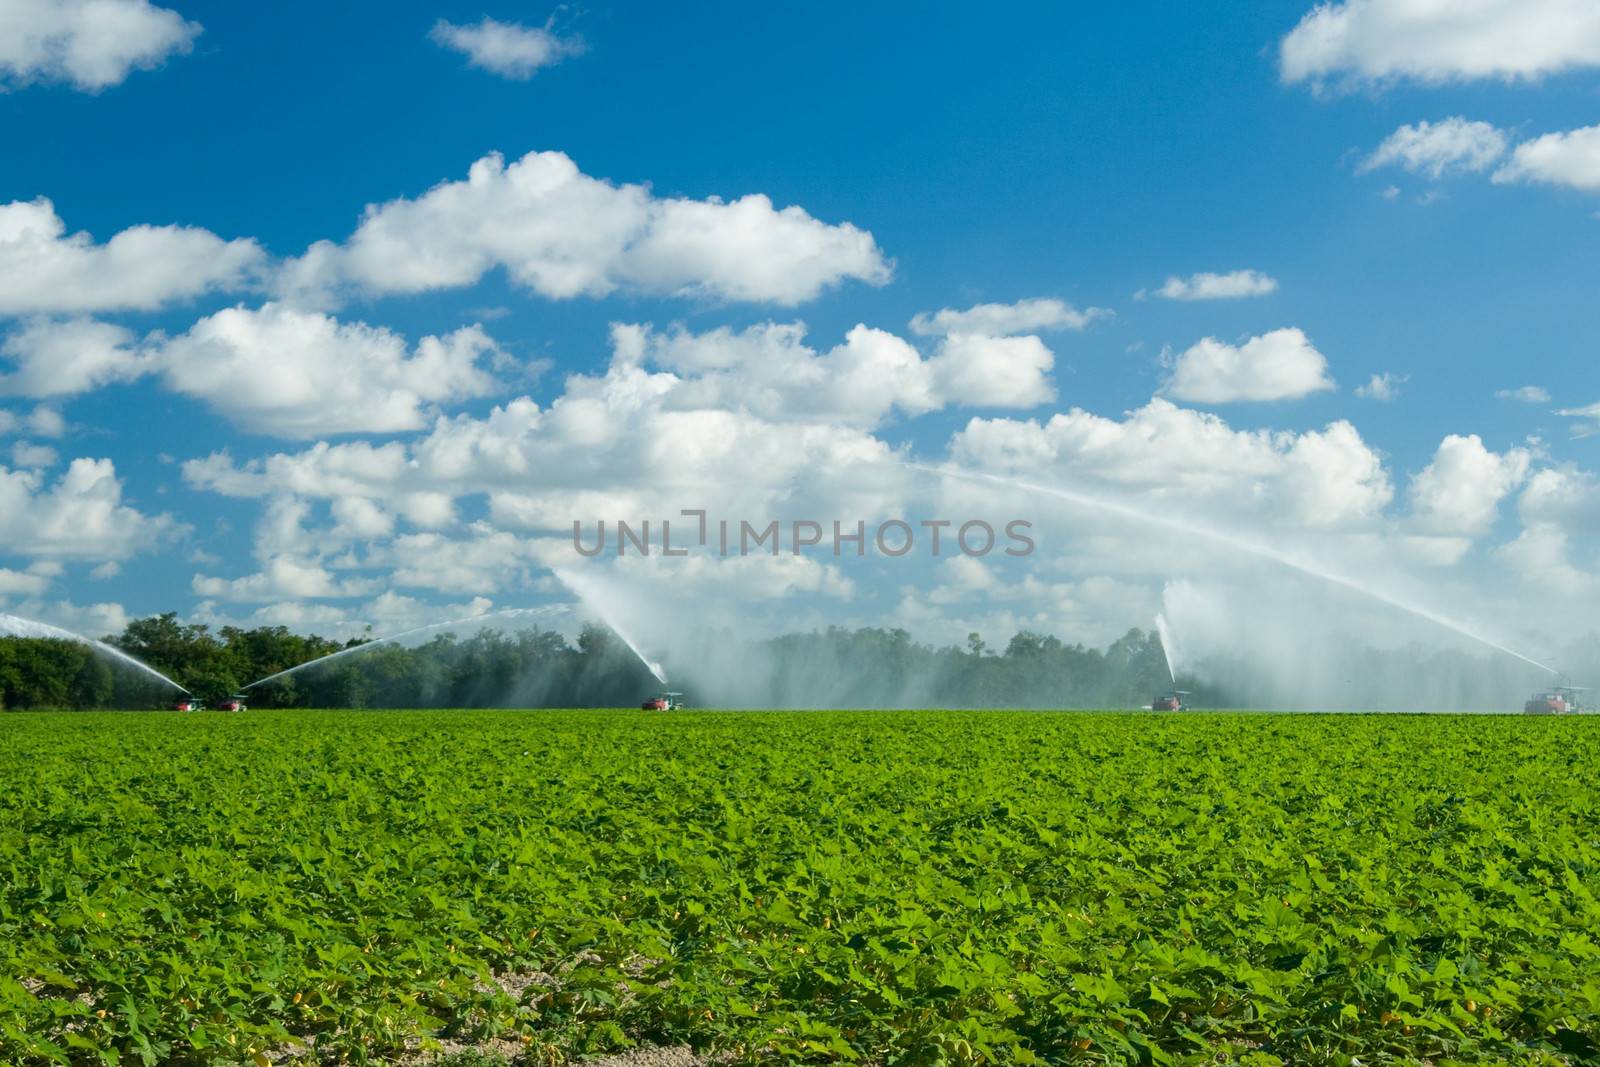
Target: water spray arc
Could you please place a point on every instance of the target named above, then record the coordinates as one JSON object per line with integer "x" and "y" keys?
{"x": 1165, "y": 632}
{"x": 402, "y": 635}
{"x": 585, "y": 591}
{"x": 1239, "y": 544}
{"x": 17, "y": 626}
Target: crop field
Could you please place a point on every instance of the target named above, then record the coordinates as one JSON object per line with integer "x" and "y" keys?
{"x": 884, "y": 887}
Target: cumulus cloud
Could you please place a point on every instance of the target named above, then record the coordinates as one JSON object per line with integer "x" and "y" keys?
{"x": 508, "y": 49}
{"x": 361, "y": 519}
{"x": 1382, "y": 387}
{"x": 1452, "y": 146}
{"x": 88, "y": 44}
{"x": 1000, "y": 372}
{"x": 1560, "y": 509}
{"x": 21, "y": 583}
{"x": 668, "y": 425}
{"x": 29, "y": 456}
{"x": 1565, "y": 496}
{"x": 1208, "y": 286}
{"x": 1328, "y": 477}
{"x": 1571, "y": 159}
{"x": 291, "y": 373}
{"x": 1459, "y": 492}
{"x": 67, "y": 358}
{"x": 769, "y": 370}
{"x": 1381, "y": 41}
{"x": 1280, "y": 365}
{"x": 1528, "y": 394}
{"x": 43, "y": 269}
{"x": 1004, "y": 320}
{"x": 274, "y": 369}
{"x": 562, "y": 234}
{"x": 284, "y": 578}
{"x": 80, "y": 516}
{"x": 287, "y": 527}
{"x": 485, "y": 561}
{"x": 1541, "y": 555}
{"x": 323, "y": 470}
{"x": 42, "y": 421}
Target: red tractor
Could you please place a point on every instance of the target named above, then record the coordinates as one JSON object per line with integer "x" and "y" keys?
{"x": 1562, "y": 700}
{"x": 1173, "y": 701}
{"x": 1552, "y": 703}
{"x": 663, "y": 702}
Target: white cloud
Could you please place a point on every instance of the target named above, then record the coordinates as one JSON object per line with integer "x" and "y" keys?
{"x": 1560, "y": 510}
{"x": 1528, "y": 394}
{"x": 1571, "y": 159}
{"x": 1432, "y": 41}
{"x": 1564, "y": 496}
{"x": 67, "y": 358}
{"x": 274, "y": 369}
{"x": 294, "y": 373}
{"x": 354, "y": 468}
{"x": 42, "y": 421}
{"x": 18, "y": 583}
{"x": 1451, "y": 146}
{"x": 1382, "y": 387}
{"x": 284, "y": 578}
{"x": 1004, "y": 320}
{"x": 90, "y": 619}
{"x": 281, "y": 530}
{"x": 1333, "y": 477}
{"x": 1459, "y": 492}
{"x": 1589, "y": 425}
{"x": 360, "y": 519}
{"x": 1280, "y": 365}
{"x": 286, "y": 528}
{"x": 1320, "y": 478}
{"x": 29, "y": 456}
{"x": 769, "y": 370}
{"x": 487, "y": 561}
{"x": 43, "y": 269}
{"x": 745, "y": 423}
{"x": 563, "y": 234}
{"x": 508, "y": 49}
{"x": 1541, "y": 555}
{"x": 1003, "y": 372}
{"x": 81, "y": 516}
{"x": 1434, "y": 550}
{"x": 89, "y": 44}
{"x": 1208, "y": 286}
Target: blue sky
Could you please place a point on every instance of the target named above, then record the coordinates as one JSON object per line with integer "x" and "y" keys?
{"x": 1030, "y": 152}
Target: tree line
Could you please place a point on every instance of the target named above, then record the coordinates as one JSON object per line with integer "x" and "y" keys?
{"x": 836, "y": 667}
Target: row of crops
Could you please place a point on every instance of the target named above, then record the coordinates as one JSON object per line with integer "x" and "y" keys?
{"x": 888, "y": 888}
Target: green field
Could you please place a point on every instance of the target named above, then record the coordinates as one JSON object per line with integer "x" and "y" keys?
{"x": 889, "y": 887}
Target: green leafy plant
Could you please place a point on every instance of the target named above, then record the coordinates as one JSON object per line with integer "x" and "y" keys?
{"x": 894, "y": 888}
